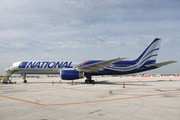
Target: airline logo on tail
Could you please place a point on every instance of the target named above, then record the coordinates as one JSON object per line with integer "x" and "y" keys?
{"x": 149, "y": 56}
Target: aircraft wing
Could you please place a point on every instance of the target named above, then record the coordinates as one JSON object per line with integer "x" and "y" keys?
{"x": 98, "y": 66}
{"x": 160, "y": 64}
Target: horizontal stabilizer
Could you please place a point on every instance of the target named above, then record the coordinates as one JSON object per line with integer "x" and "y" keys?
{"x": 160, "y": 64}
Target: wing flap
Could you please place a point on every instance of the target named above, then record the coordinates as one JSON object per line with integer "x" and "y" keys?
{"x": 160, "y": 64}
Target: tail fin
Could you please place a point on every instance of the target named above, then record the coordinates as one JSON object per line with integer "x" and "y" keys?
{"x": 150, "y": 54}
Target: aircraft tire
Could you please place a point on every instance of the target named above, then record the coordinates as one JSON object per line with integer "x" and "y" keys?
{"x": 92, "y": 81}
{"x": 88, "y": 81}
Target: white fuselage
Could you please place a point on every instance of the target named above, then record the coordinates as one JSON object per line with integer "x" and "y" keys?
{"x": 42, "y": 67}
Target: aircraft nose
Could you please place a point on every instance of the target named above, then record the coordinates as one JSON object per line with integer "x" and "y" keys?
{"x": 7, "y": 69}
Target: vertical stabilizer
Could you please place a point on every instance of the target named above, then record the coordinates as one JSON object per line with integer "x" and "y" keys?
{"x": 150, "y": 54}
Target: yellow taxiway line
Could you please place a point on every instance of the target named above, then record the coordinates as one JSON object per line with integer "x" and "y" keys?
{"x": 89, "y": 101}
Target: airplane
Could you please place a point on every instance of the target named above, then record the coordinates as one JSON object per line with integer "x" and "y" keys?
{"x": 71, "y": 70}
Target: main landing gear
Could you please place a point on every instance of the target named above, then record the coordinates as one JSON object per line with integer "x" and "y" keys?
{"x": 89, "y": 81}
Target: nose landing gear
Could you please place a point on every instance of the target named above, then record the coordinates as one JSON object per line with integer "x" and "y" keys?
{"x": 25, "y": 81}
{"x": 24, "y": 78}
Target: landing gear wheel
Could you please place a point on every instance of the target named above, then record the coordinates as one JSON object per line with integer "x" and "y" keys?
{"x": 89, "y": 81}
{"x": 25, "y": 81}
{"x": 92, "y": 81}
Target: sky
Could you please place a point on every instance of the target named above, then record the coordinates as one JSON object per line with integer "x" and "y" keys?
{"x": 88, "y": 30}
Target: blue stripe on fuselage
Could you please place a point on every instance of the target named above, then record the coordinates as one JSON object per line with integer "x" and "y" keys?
{"x": 113, "y": 72}
{"x": 23, "y": 64}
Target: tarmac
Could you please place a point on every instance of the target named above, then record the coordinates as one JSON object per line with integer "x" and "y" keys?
{"x": 156, "y": 98}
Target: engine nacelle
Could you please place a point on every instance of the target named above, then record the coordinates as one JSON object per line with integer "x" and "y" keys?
{"x": 71, "y": 74}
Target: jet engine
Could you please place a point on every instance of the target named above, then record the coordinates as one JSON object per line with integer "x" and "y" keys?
{"x": 71, "y": 74}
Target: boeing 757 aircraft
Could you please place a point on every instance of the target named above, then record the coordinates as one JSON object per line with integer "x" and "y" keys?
{"x": 70, "y": 70}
